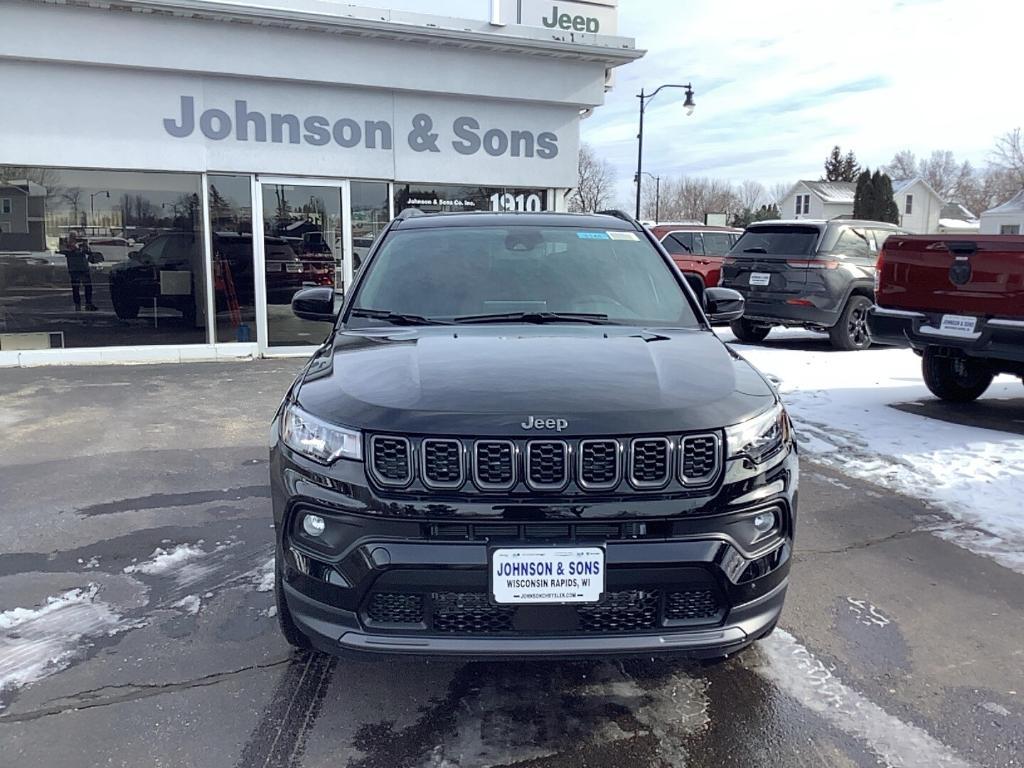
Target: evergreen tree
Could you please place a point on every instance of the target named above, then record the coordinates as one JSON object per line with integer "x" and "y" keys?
{"x": 851, "y": 168}
{"x": 885, "y": 205}
{"x": 864, "y": 197}
{"x": 834, "y": 165}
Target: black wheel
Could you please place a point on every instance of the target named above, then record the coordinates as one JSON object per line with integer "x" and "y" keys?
{"x": 124, "y": 307}
{"x": 288, "y": 627}
{"x": 851, "y": 332}
{"x": 956, "y": 379}
{"x": 745, "y": 330}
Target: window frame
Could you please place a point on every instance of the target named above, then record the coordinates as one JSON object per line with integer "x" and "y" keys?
{"x": 6, "y": 206}
{"x": 908, "y": 204}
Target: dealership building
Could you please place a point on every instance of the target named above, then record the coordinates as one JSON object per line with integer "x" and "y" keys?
{"x": 172, "y": 171}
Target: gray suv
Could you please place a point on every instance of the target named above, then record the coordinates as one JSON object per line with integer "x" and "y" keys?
{"x": 807, "y": 273}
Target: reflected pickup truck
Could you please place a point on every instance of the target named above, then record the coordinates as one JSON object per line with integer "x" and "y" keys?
{"x": 958, "y": 302}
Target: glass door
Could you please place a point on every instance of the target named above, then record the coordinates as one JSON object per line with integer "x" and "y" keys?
{"x": 305, "y": 233}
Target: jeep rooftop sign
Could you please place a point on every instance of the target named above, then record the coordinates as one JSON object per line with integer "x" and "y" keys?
{"x": 597, "y": 17}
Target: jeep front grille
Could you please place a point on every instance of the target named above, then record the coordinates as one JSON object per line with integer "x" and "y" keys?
{"x": 700, "y": 459}
{"x": 391, "y": 460}
{"x": 599, "y": 464}
{"x": 547, "y": 465}
{"x": 494, "y": 464}
{"x": 649, "y": 462}
{"x": 442, "y": 463}
{"x": 678, "y": 463}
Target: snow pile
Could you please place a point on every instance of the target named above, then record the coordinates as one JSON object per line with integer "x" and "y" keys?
{"x": 37, "y": 642}
{"x": 264, "y": 579}
{"x": 163, "y": 561}
{"x": 840, "y": 402}
{"x": 190, "y": 604}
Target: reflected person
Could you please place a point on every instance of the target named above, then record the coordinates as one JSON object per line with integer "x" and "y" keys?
{"x": 79, "y": 257}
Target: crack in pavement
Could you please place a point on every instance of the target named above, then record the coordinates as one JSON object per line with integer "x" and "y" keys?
{"x": 857, "y": 544}
{"x": 93, "y": 698}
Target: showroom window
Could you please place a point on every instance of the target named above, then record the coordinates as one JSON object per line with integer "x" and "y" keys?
{"x": 234, "y": 280}
{"x": 101, "y": 258}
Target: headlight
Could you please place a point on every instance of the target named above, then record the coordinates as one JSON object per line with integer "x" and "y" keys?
{"x": 318, "y": 440}
{"x": 759, "y": 438}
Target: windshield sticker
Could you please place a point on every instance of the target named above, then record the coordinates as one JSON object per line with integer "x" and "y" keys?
{"x": 623, "y": 235}
{"x": 593, "y": 236}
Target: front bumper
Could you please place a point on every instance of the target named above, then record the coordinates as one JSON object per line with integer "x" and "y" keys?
{"x": 993, "y": 338}
{"x": 413, "y": 578}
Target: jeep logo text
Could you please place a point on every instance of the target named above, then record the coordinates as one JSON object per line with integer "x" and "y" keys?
{"x": 534, "y": 422}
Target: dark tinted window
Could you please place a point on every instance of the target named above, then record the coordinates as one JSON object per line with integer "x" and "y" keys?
{"x": 777, "y": 241}
{"x": 682, "y": 243}
{"x": 717, "y": 243}
{"x": 447, "y": 272}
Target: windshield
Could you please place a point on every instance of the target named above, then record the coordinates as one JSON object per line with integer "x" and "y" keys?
{"x": 469, "y": 273}
{"x": 777, "y": 241}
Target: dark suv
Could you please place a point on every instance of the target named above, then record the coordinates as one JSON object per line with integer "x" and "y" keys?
{"x": 523, "y": 438}
{"x": 813, "y": 274}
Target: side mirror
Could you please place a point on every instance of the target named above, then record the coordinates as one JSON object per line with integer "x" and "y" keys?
{"x": 723, "y": 305}
{"x": 315, "y": 304}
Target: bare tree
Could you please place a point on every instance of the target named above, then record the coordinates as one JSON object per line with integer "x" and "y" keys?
{"x": 595, "y": 182}
{"x": 1008, "y": 155}
{"x": 751, "y": 194}
{"x": 777, "y": 192}
{"x": 48, "y": 178}
{"x": 941, "y": 171}
{"x": 903, "y": 165}
{"x": 690, "y": 199}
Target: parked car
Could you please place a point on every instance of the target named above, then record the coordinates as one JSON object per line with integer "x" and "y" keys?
{"x": 807, "y": 273}
{"x": 697, "y": 250}
{"x": 958, "y": 301}
{"x": 459, "y": 470}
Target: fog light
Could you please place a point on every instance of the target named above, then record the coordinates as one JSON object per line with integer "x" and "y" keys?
{"x": 313, "y": 525}
{"x": 763, "y": 522}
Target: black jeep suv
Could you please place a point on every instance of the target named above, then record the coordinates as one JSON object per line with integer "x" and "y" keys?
{"x": 807, "y": 273}
{"x": 523, "y": 438}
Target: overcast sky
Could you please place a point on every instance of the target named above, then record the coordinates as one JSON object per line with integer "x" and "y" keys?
{"x": 778, "y": 83}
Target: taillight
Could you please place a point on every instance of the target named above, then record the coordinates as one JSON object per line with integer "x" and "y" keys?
{"x": 878, "y": 271}
{"x": 729, "y": 260}
{"x": 812, "y": 263}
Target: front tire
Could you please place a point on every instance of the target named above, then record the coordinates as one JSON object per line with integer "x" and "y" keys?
{"x": 745, "y": 330}
{"x": 289, "y": 629}
{"x": 955, "y": 379}
{"x": 851, "y": 332}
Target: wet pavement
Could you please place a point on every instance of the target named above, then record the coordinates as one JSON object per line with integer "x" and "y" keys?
{"x": 137, "y": 542}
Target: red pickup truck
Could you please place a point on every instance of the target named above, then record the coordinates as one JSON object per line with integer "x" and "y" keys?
{"x": 958, "y": 302}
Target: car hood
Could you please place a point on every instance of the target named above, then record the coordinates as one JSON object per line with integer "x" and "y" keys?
{"x": 487, "y": 380}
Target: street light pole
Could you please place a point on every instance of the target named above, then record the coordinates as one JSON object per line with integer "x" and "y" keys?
{"x": 688, "y": 104}
{"x": 92, "y": 204}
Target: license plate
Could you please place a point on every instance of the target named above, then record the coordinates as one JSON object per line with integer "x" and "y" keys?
{"x": 760, "y": 278}
{"x": 292, "y": 267}
{"x": 958, "y": 325}
{"x": 523, "y": 576}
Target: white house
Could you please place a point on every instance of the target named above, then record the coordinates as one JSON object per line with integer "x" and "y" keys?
{"x": 918, "y": 203}
{"x": 1005, "y": 219}
{"x": 920, "y": 206}
{"x": 818, "y": 200}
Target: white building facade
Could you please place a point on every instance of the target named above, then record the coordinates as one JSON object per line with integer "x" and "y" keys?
{"x": 173, "y": 170}
{"x": 919, "y": 205}
{"x": 1005, "y": 219}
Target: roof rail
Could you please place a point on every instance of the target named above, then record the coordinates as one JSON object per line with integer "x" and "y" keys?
{"x": 408, "y": 213}
{"x": 618, "y": 214}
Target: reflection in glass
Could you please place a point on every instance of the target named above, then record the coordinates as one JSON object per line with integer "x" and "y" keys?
{"x": 434, "y": 198}
{"x": 234, "y": 284}
{"x": 99, "y": 258}
{"x": 302, "y": 240}
{"x": 369, "y": 217}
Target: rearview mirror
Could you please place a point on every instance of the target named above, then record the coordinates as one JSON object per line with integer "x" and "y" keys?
{"x": 315, "y": 304}
{"x": 723, "y": 305}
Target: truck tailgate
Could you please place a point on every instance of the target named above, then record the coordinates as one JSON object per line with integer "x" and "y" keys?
{"x": 979, "y": 275}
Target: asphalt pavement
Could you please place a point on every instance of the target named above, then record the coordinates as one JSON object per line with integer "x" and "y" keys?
{"x": 136, "y": 538}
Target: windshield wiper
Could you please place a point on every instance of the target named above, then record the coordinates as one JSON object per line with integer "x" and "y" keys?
{"x": 594, "y": 318}
{"x": 395, "y": 318}
{"x": 755, "y": 249}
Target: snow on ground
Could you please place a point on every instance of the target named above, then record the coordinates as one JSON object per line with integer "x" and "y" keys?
{"x": 840, "y": 402}
{"x": 264, "y": 578}
{"x": 37, "y": 642}
{"x": 165, "y": 560}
